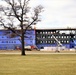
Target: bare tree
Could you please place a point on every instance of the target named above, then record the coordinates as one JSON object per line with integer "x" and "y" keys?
{"x": 18, "y": 14}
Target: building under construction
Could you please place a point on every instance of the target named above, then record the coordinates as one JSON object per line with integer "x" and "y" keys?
{"x": 40, "y": 38}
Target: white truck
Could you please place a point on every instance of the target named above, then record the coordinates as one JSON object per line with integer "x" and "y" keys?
{"x": 28, "y": 48}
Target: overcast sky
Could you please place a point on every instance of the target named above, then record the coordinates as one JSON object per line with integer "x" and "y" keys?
{"x": 57, "y": 13}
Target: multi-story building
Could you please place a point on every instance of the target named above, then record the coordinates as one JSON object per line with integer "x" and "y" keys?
{"x": 10, "y": 41}
{"x": 40, "y": 38}
{"x": 44, "y": 37}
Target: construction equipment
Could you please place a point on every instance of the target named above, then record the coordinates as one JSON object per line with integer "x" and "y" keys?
{"x": 59, "y": 44}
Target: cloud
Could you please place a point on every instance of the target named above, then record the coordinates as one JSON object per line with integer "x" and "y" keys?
{"x": 59, "y": 13}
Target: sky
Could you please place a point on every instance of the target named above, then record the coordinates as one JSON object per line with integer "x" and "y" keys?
{"x": 57, "y": 13}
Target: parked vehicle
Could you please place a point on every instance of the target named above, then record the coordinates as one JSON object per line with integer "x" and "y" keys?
{"x": 28, "y": 48}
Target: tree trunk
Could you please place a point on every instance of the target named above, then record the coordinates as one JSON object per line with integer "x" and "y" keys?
{"x": 22, "y": 42}
{"x": 23, "y": 50}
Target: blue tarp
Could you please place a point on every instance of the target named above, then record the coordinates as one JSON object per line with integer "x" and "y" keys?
{"x": 72, "y": 44}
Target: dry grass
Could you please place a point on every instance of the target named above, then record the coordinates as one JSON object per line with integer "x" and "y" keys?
{"x": 38, "y": 64}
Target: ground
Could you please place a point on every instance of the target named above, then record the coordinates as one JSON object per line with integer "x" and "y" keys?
{"x": 37, "y": 63}
{"x": 37, "y": 52}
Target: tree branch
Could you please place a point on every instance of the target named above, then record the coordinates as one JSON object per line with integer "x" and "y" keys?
{"x": 14, "y": 10}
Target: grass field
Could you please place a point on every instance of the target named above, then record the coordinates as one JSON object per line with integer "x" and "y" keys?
{"x": 38, "y": 64}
